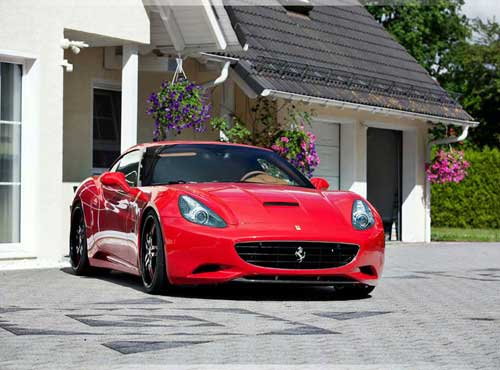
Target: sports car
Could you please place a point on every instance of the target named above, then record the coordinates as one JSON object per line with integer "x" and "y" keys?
{"x": 180, "y": 213}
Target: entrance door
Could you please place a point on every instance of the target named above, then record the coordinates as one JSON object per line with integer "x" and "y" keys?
{"x": 384, "y": 167}
{"x": 328, "y": 148}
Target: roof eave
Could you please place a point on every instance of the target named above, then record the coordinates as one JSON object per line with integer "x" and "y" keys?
{"x": 367, "y": 108}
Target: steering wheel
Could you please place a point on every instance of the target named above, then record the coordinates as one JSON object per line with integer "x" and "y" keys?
{"x": 252, "y": 174}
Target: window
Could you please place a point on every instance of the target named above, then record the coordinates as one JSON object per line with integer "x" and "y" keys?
{"x": 298, "y": 7}
{"x": 10, "y": 152}
{"x": 129, "y": 166}
{"x": 106, "y": 129}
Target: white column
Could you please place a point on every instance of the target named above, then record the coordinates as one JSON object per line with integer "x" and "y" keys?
{"x": 413, "y": 207}
{"x": 130, "y": 77}
{"x": 360, "y": 182}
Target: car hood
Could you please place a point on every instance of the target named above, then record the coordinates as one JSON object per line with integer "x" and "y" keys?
{"x": 248, "y": 203}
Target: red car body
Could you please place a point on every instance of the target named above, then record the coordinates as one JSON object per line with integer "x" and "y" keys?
{"x": 257, "y": 216}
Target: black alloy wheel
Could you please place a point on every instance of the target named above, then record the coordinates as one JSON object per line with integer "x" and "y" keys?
{"x": 153, "y": 266}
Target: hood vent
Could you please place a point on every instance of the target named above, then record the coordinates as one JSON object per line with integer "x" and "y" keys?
{"x": 281, "y": 204}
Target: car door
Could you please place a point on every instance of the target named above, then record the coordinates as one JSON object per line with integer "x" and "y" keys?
{"x": 117, "y": 241}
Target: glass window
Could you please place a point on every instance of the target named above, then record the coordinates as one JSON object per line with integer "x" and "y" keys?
{"x": 10, "y": 152}
{"x": 129, "y": 166}
{"x": 106, "y": 128}
{"x": 188, "y": 163}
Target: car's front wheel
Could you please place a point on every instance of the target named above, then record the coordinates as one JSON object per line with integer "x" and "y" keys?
{"x": 152, "y": 257}
{"x": 78, "y": 242}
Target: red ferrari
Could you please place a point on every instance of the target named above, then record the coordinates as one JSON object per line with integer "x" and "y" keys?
{"x": 208, "y": 213}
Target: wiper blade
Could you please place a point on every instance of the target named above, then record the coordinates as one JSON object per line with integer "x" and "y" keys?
{"x": 176, "y": 182}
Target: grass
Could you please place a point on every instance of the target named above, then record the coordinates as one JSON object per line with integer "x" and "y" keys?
{"x": 465, "y": 235}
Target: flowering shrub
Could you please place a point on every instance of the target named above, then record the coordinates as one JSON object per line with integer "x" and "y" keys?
{"x": 298, "y": 147}
{"x": 177, "y": 106}
{"x": 447, "y": 167}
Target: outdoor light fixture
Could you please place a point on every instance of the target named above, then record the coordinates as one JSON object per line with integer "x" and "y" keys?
{"x": 67, "y": 65}
{"x": 74, "y": 46}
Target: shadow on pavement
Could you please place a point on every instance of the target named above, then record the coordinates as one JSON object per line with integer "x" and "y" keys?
{"x": 230, "y": 291}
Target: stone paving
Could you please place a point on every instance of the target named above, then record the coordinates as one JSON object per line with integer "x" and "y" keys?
{"x": 437, "y": 307}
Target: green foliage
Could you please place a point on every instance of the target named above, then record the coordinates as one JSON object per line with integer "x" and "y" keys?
{"x": 235, "y": 133}
{"x": 430, "y": 31}
{"x": 476, "y": 77}
{"x": 465, "y": 235}
{"x": 464, "y": 56}
{"x": 475, "y": 202}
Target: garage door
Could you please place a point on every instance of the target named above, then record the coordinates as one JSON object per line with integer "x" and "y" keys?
{"x": 328, "y": 147}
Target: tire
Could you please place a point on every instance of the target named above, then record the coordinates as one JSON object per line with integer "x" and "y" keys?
{"x": 152, "y": 256}
{"x": 78, "y": 243}
{"x": 355, "y": 291}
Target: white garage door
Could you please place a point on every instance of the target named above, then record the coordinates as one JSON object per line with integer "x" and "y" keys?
{"x": 328, "y": 147}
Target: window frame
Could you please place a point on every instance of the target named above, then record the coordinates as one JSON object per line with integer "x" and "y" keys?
{"x": 100, "y": 85}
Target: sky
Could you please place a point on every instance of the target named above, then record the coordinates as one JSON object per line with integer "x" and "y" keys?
{"x": 482, "y": 8}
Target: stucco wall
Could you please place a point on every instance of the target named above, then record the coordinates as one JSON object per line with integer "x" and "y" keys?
{"x": 30, "y": 34}
{"x": 88, "y": 70}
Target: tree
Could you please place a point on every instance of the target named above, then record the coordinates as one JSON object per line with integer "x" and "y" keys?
{"x": 475, "y": 75}
{"x": 430, "y": 31}
{"x": 463, "y": 55}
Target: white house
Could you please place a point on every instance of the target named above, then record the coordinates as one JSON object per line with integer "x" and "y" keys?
{"x": 75, "y": 76}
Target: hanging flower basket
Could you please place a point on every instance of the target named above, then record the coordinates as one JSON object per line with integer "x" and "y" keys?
{"x": 298, "y": 147}
{"x": 178, "y": 105}
{"x": 447, "y": 166}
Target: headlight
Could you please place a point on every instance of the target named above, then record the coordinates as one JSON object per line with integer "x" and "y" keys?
{"x": 362, "y": 216}
{"x": 198, "y": 213}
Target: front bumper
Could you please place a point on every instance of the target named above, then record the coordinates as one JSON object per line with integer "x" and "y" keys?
{"x": 202, "y": 255}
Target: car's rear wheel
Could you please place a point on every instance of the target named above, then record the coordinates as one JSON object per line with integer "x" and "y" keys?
{"x": 355, "y": 291}
{"x": 78, "y": 242}
{"x": 153, "y": 264}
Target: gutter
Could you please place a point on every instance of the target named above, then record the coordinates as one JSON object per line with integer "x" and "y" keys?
{"x": 371, "y": 109}
{"x": 449, "y": 140}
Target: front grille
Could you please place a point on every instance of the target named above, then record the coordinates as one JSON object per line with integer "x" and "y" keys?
{"x": 297, "y": 255}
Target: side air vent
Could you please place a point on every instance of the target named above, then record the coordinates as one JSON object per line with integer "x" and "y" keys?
{"x": 281, "y": 204}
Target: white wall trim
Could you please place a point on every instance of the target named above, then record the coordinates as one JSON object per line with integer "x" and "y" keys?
{"x": 13, "y": 56}
{"x": 333, "y": 119}
{"x": 29, "y": 137}
{"x": 398, "y": 126}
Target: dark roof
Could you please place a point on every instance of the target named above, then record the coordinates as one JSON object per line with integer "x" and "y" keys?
{"x": 339, "y": 53}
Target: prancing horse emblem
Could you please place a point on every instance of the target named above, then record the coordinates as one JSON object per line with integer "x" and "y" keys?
{"x": 300, "y": 254}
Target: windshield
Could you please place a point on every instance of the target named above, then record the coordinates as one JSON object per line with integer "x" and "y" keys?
{"x": 193, "y": 163}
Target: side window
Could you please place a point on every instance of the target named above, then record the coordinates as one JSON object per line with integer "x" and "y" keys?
{"x": 129, "y": 166}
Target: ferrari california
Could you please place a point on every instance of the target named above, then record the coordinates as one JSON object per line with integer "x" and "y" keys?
{"x": 180, "y": 213}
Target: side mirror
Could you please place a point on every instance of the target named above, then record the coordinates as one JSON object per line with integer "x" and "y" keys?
{"x": 320, "y": 183}
{"x": 115, "y": 179}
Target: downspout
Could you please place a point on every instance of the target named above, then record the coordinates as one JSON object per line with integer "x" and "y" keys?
{"x": 219, "y": 80}
{"x": 449, "y": 140}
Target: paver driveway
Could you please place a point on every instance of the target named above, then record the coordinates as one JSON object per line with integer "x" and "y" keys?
{"x": 437, "y": 307}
